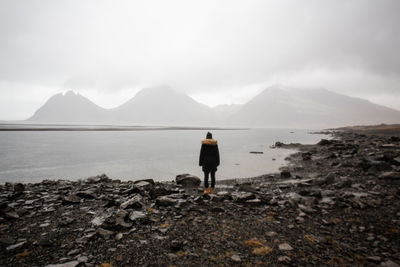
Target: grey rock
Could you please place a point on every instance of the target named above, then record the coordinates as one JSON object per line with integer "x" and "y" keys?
{"x": 88, "y": 194}
{"x": 285, "y": 247}
{"x": 11, "y": 215}
{"x": 295, "y": 197}
{"x": 120, "y": 219}
{"x": 324, "y": 142}
{"x": 83, "y": 259}
{"x": 142, "y": 184}
{"x": 15, "y": 246}
{"x": 329, "y": 179}
{"x": 166, "y": 201}
{"x": 285, "y": 174}
{"x": 217, "y": 209}
{"x": 247, "y": 187}
{"x": 223, "y": 193}
{"x": 187, "y": 180}
{"x": 279, "y": 144}
{"x": 132, "y": 190}
{"x": 271, "y": 234}
{"x": 176, "y": 245}
{"x": 71, "y": 199}
{"x": 389, "y": 263}
{"x": 236, "y": 258}
{"x": 19, "y": 188}
{"x": 67, "y": 264}
{"x": 394, "y": 176}
{"x": 148, "y": 181}
{"x": 6, "y": 240}
{"x": 98, "y": 179}
{"x": 74, "y": 252}
{"x": 136, "y": 215}
{"x": 375, "y": 259}
{"x": 66, "y": 221}
{"x": 172, "y": 256}
{"x": 106, "y": 234}
{"x": 242, "y": 197}
{"x": 98, "y": 221}
{"x": 158, "y": 191}
{"x": 119, "y": 236}
{"x": 254, "y": 202}
{"x": 134, "y": 202}
{"x": 284, "y": 259}
{"x": 306, "y": 209}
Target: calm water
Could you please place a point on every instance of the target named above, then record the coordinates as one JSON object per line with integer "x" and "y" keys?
{"x": 161, "y": 155}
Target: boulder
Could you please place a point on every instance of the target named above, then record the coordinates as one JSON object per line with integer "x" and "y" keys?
{"x": 285, "y": 174}
{"x": 131, "y": 190}
{"x": 279, "y": 144}
{"x": 324, "y": 142}
{"x": 147, "y": 181}
{"x": 135, "y": 202}
{"x": 98, "y": 179}
{"x": 187, "y": 180}
{"x": 19, "y": 188}
{"x": 158, "y": 191}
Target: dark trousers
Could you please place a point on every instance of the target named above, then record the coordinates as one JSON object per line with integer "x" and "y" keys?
{"x": 206, "y": 174}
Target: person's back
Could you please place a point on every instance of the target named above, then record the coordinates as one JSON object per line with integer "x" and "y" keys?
{"x": 209, "y": 160}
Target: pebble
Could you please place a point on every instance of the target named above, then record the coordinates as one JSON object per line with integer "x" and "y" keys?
{"x": 236, "y": 258}
{"x": 285, "y": 247}
{"x": 15, "y": 246}
{"x": 67, "y": 264}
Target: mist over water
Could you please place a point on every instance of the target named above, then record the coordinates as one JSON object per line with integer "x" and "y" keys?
{"x": 131, "y": 155}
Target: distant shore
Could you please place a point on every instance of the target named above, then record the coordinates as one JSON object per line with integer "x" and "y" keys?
{"x": 61, "y": 127}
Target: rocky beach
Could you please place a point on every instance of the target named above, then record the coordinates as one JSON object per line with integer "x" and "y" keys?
{"x": 336, "y": 203}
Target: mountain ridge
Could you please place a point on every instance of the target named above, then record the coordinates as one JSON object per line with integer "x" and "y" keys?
{"x": 275, "y": 106}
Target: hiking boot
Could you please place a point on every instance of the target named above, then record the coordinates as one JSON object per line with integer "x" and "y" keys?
{"x": 211, "y": 191}
{"x": 206, "y": 190}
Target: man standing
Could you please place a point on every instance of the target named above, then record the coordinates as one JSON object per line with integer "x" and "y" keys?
{"x": 209, "y": 160}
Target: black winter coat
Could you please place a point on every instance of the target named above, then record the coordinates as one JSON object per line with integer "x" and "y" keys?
{"x": 209, "y": 155}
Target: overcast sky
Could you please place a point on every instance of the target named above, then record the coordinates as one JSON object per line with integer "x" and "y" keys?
{"x": 216, "y": 51}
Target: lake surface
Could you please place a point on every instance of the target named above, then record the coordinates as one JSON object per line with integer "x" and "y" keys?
{"x": 32, "y": 156}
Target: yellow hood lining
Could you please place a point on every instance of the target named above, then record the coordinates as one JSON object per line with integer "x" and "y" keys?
{"x": 212, "y": 142}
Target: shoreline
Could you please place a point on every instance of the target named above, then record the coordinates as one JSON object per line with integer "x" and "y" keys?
{"x": 336, "y": 203}
{"x": 39, "y": 127}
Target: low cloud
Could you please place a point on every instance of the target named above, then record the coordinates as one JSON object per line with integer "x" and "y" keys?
{"x": 205, "y": 47}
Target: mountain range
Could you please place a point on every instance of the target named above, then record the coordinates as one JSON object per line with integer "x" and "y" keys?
{"x": 274, "y": 107}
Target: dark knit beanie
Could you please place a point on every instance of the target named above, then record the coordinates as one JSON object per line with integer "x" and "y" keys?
{"x": 209, "y": 135}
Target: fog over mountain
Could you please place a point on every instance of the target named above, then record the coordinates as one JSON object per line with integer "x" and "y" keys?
{"x": 274, "y": 107}
{"x": 162, "y": 106}
{"x": 70, "y": 108}
{"x": 285, "y": 107}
